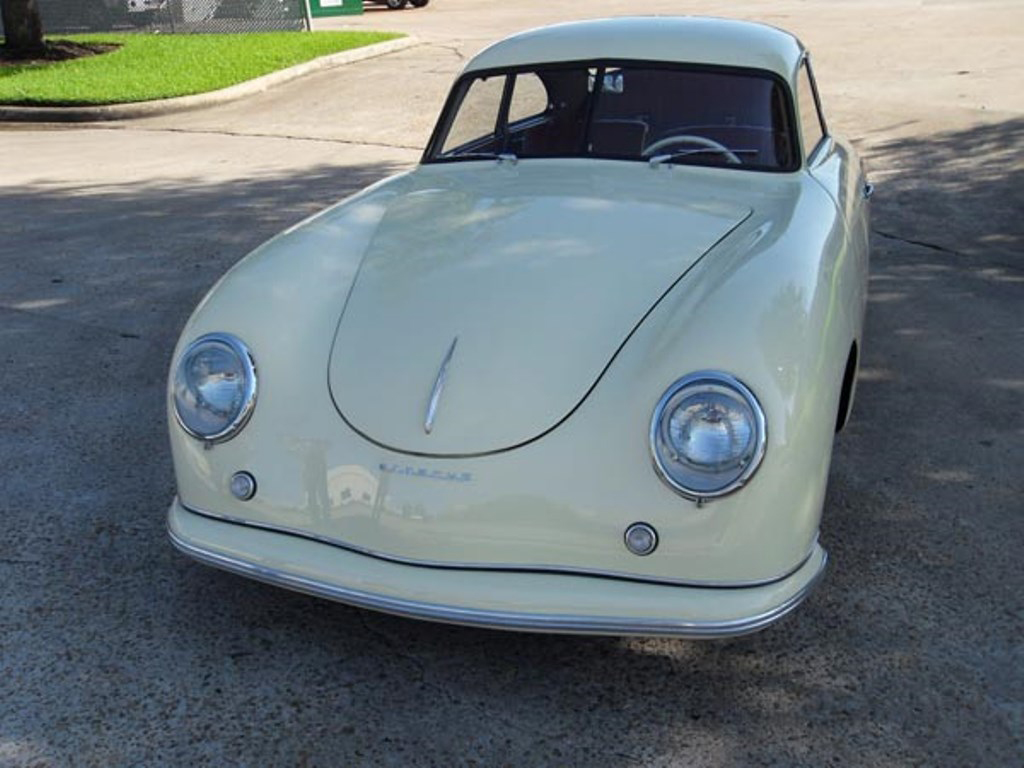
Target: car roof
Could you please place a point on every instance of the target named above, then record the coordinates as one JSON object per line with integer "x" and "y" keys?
{"x": 681, "y": 39}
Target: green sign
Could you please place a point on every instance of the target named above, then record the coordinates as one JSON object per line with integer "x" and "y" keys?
{"x": 319, "y": 8}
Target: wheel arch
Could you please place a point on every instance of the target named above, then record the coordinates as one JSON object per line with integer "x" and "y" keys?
{"x": 849, "y": 385}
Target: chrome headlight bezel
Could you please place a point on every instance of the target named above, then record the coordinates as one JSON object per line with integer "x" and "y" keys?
{"x": 695, "y": 384}
{"x": 247, "y": 401}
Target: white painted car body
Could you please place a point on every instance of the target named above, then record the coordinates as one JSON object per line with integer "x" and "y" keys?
{"x": 579, "y": 290}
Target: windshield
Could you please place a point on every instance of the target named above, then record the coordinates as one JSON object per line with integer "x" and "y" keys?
{"x": 628, "y": 111}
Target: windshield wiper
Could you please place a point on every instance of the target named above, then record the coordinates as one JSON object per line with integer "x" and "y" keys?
{"x": 667, "y": 156}
{"x": 501, "y": 157}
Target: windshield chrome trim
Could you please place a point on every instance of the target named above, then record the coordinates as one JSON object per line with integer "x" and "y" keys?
{"x": 820, "y": 152}
{"x": 432, "y": 153}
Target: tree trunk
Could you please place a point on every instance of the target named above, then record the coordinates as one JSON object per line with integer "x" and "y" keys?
{"x": 23, "y": 28}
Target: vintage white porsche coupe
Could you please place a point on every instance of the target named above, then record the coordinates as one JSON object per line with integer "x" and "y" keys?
{"x": 579, "y": 371}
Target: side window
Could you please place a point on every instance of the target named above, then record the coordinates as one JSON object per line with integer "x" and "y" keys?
{"x": 477, "y": 116}
{"x": 529, "y": 98}
{"x": 811, "y": 124}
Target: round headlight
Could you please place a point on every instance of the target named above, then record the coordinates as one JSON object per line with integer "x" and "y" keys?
{"x": 707, "y": 435}
{"x": 214, "y": 387}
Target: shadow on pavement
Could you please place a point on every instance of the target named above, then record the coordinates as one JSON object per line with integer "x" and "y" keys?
{"x": 962, "y": 191}
{"x": 925, "y": 489}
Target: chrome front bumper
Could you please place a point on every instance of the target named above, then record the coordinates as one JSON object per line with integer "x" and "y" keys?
{"x": 534, "y": 602}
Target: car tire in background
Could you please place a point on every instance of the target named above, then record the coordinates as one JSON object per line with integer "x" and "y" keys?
{"x": 418, "y": 3}
{"x": 396, "y": 5}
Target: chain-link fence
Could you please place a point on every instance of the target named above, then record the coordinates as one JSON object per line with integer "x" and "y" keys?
{"x": 171, "y": 16}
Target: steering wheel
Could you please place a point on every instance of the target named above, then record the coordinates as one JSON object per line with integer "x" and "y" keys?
{"x": 684, "y": 138}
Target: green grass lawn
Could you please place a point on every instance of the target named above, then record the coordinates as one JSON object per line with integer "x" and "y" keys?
{"x": 149, "y": 66}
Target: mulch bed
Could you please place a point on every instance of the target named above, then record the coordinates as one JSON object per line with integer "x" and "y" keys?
{"x": 54, "y": 50}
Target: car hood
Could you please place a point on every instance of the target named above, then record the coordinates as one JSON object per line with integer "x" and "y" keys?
{"x": 502, "y": 294}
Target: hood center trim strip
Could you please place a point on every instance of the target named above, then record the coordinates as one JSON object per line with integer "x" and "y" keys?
{"x": 435, "y": 393}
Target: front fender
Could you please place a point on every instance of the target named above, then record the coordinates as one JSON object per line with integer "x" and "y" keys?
{"x": 777, "y": 305}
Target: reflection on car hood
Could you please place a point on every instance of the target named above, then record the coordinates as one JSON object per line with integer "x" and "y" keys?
{"x": 541, "y": 274}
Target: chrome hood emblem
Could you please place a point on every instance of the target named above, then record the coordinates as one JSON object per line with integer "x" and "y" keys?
{"x": 435, "y": 393}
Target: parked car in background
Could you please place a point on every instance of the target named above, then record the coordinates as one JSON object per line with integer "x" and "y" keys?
{"x": 579, "y": 371}
{"x": 146, "y": 6}
{"x": 397, "y": 5}
{"x": 142, "y": 12}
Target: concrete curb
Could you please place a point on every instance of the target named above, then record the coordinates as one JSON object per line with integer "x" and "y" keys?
{"x": 182, "y": 103}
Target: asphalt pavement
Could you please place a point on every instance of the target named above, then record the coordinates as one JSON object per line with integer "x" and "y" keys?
{"x": 117, "y": 651}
